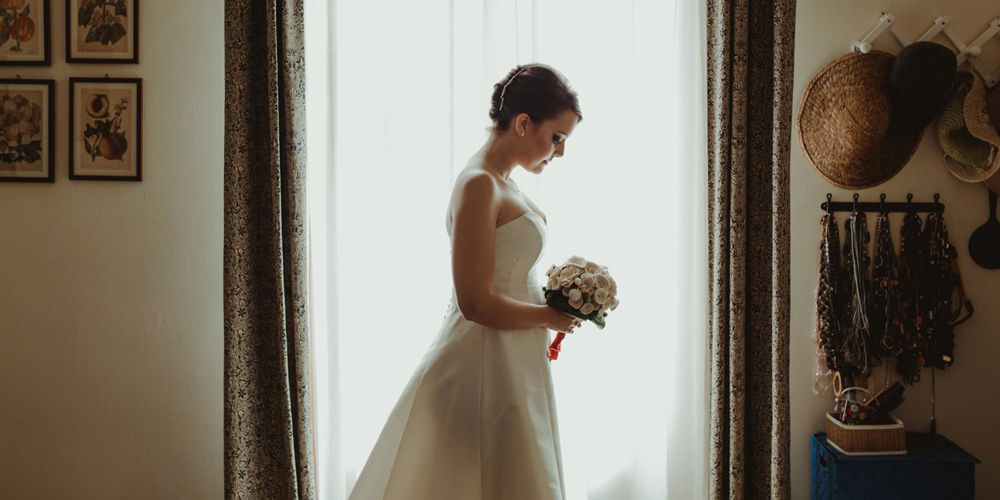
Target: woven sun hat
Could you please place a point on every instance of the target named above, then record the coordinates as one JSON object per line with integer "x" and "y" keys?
{"x": 993, "y": 109}
{"x": 844, "y": 123}
{"x": 920, "y": 82}
{"x": 970, "y": 143}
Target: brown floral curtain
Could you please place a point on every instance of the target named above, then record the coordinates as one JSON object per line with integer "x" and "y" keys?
{"x": 750, "y": 45}
{"x": 268, "y": 437}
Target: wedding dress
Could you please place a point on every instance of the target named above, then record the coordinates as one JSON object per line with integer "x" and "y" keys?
{"x": 477, "y": 420}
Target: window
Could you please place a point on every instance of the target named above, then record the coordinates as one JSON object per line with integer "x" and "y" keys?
{"x": 399, "y": 95}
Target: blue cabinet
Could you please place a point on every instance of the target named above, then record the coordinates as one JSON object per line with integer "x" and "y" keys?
{"x": 933, "y": 467}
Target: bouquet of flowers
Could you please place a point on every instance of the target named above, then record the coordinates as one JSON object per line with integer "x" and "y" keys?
{"x": 582, "y": 289}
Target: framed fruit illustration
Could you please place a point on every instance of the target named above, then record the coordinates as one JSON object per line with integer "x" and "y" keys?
{"x": 27, "y": 128}
{"x": 24, "y": 33}
{"x": 105, "y": 129}
{"x": 102, "y": 31}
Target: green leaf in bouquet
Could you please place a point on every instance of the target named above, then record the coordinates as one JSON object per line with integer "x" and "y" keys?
{"x": 598, "y": 320}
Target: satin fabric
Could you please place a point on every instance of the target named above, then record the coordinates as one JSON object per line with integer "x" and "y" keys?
{"x": 477, "y": 420}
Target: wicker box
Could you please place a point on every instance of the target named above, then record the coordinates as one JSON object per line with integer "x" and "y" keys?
{"x": 934, "y": 467}
{"x": 866, "y": 439}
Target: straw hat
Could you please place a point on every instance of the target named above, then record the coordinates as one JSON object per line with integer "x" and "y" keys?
{"x": 993, "y": 109}
{"x": 971, "y": 145}
{"x": 844, "y": 123}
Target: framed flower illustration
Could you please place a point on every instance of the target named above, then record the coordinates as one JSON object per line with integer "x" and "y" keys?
{"x": 24, "y": 33}
{"x": 105, "y": 129}
{"x": 27, "y": 128}
{"x": 102, "y": 31}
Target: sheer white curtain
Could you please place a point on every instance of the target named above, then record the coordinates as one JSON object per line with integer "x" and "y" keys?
{"x": 399, "y": 94}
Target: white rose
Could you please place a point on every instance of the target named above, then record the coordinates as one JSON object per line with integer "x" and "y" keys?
{"x": 553, "y": 282}
{"x": 602, "y": 282}
{"x": 569, "y": 273}
{"x": 575, "y": 294}
{"x": 601, "y": 296}
{"x": 587, "y": 284}
{"x": 587, "y": 308}
{"x": 592, "y": 268}
{"x": 614, "y": 305}
{"x": 576, "y": 303}
{"x": 578, "y": 261}
{"x": 565, "y": 291}
{"x": 551, "y": 270}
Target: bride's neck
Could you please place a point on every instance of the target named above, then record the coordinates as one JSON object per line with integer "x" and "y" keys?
{"x": 498, "y": 157}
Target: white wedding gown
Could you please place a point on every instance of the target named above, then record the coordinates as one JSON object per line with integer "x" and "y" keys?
{"x": 477, "y": 420}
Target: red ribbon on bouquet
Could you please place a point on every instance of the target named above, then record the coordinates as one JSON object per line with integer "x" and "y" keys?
{"x": 554, "y": 348}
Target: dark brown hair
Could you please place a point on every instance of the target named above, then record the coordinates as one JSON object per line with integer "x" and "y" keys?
{"x": 535, "y": 89}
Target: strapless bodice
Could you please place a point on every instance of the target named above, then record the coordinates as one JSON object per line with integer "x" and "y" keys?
{"x": 519, "y": 245}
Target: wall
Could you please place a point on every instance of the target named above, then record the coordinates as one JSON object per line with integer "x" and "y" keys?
{"x": 111, "y": 292}
{"x": 966, "y": 404}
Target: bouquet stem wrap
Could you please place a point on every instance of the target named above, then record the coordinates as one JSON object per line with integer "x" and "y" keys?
{"x": 555, "y": 347}
{"x": 582, "y": 289}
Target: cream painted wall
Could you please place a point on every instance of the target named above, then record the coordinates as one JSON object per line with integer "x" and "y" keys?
{"x": 967, "y": 406}
{"x": 111, "y": 292}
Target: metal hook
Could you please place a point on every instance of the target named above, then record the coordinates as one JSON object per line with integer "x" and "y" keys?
{"x": 881, "y": 203}
{"x": 829, "y": 203}
{"x": 855, "y": 208}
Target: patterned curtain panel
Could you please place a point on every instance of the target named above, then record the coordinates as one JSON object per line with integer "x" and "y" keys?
{"x": 750, "y": 45}
{"x": 268, "y": 437}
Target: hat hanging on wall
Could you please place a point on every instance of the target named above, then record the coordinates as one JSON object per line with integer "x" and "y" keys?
{"x": 844, "y": 123}
{"x": 920, "y": 82}
{"x": 971, "y": 145}
{"x": 993, "y": 109}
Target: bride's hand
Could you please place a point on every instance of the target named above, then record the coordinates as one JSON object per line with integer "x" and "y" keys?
{"x": 561, "y": 322}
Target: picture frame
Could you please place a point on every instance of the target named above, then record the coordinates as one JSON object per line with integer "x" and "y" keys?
{"x": 25, "y": 38}
{"x": 27, "y": 130}
{"x": 102, "y": 31}
{"x": 105, "y": 124}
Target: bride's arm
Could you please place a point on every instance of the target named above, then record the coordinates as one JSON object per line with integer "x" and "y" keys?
{"x": 472, "y": 257}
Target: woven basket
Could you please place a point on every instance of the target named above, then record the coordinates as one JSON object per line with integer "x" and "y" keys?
{"x": 866, "y": 439}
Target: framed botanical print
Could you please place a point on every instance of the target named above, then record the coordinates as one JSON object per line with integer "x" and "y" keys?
{"x": 105, "y": 129}
{"x": 24, "y": 33}
{"x": 102, "y": 31}
{"x": 27, "y": 129}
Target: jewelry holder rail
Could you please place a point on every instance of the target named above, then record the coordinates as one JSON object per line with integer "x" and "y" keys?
{"x": 909, "y": 205}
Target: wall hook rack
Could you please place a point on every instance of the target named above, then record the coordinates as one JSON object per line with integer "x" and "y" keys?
{"x": 880, "y": 206}
{"x": 887, "y": 22}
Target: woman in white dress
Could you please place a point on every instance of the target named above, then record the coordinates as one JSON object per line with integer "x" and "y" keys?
{"x": 477, "y": 420}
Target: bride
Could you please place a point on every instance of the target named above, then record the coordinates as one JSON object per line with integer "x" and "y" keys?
{"x": 477, "y": 420}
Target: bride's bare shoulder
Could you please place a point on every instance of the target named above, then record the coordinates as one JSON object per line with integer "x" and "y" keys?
{"x": 473, "y": 185}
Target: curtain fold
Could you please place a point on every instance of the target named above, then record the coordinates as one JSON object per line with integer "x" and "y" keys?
{"x": 268, "y": 437}
{"x": 750, "y": 60}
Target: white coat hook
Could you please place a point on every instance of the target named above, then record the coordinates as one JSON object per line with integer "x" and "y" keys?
{"x": 969, "y": 52}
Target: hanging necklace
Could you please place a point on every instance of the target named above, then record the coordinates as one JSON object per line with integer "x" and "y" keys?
{"x": 857, "y": 342}
{"x": 828, "y": 334}
{"x": 909, "y": 337}
{"x": 885, "y": 284}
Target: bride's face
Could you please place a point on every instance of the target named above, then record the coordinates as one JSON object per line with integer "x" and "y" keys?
{"x": 543, "y": 142}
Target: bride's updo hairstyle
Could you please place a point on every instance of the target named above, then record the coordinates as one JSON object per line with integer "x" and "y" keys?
{"x": 535, "y": 89}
